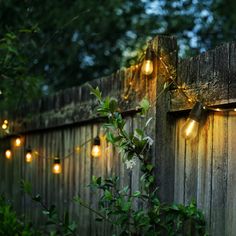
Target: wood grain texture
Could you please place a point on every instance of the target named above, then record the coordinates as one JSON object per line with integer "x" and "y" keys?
{"x": 164, "y": 156}
{"x": 230, "y": 206}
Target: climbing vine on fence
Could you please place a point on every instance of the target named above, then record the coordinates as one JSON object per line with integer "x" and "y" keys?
{"x": 118, "y": 205}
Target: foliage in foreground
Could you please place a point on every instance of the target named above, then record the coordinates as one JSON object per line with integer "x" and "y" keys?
{"x": 10, "y": 224}
{"x": 131, "y": 213}
{"x": 140, "y": 212}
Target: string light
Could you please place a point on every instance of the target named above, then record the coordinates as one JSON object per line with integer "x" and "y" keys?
{"x": 18, "y": 141}
{"x": 28, "y": 155}
{"x": 147, "y": 66}
{"x": 190, "y": 128}
{"x": 125, "y": 97}
{"x": 96, "y": 149}
{"x": 5, "y": 124}
{"x": 8, "y": 153}
{"x": 56, "y": 168}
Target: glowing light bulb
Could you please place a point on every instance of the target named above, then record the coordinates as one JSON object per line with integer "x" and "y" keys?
{"x": 96, "y": 149}
{"x": 190, "y": 129}
{"x": 8, "y": 154}
{"x": 56, "y": 168}
{"x": 28, "y": 155}
{"x": 191, "y": 126}
{"x": 18, "y": 142}
{"x": 5, "y": 122}
{"x": 147, "y": 67}
{"x": 4, "y": 126}
{"x": 125, "y": 97}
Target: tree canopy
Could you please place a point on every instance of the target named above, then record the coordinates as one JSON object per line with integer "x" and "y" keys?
{"x": 50, "y": 45}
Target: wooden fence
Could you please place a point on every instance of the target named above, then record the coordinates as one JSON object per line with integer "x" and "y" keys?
{"x": 201, "y": 169}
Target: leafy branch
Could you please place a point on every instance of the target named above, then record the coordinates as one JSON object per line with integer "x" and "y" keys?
{"x": 119, "y": 206}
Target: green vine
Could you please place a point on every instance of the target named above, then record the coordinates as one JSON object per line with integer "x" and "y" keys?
{"x": 119, "y": 206}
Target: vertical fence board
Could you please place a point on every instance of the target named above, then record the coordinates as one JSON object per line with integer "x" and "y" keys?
{"x": 179, "y": 163}
{"x": 231, "y": 178}
{"x": 219, "y": 181}
{"x": 204, "y": 183}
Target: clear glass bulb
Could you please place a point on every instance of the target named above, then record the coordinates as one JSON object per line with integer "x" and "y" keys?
{"x": 56, "y": 169}
{"x": 96, "y": 151}
{"x": 147, "y": 67}
{"x": 28, "y": 157}
{"x": 190, "y": 129}
{"x": 8, "y": 154}
{"x": 18, "y": 142}
{"x": 4, "y": 126}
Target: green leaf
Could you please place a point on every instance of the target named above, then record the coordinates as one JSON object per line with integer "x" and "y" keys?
{"x": 149, "y": 167}
{"x": 26, "y": 187}
{"x": 126, "y": 206}
{"x": 113, "y": 105}
{"x": 110, "y": 137}
{"x": 175, "y": 207}
{"x": 95, "y": 91}
{"x": 37, "y": 198}
{"x": 99, "y": 180}
{"x": 151, "y": 179}
{"x": 72, "y": 226}
{"x": 107, "y": 195}
{"x": 144, "y": 105}
{"x": 45, "y": 212}
{"x": 137, "y": 194}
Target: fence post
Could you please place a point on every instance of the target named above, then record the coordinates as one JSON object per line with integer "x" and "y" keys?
{"x": 166, "y": 49}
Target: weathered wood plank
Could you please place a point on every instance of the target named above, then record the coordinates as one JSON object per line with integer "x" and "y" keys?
{"x": 219, "y": 174}
{"x": 191, "y": 171}
{"x": 230, "y": 206}
{"x": 164, "y": 158}
{"x": 204, "y": 182}
{"x": 179, "y": 183}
